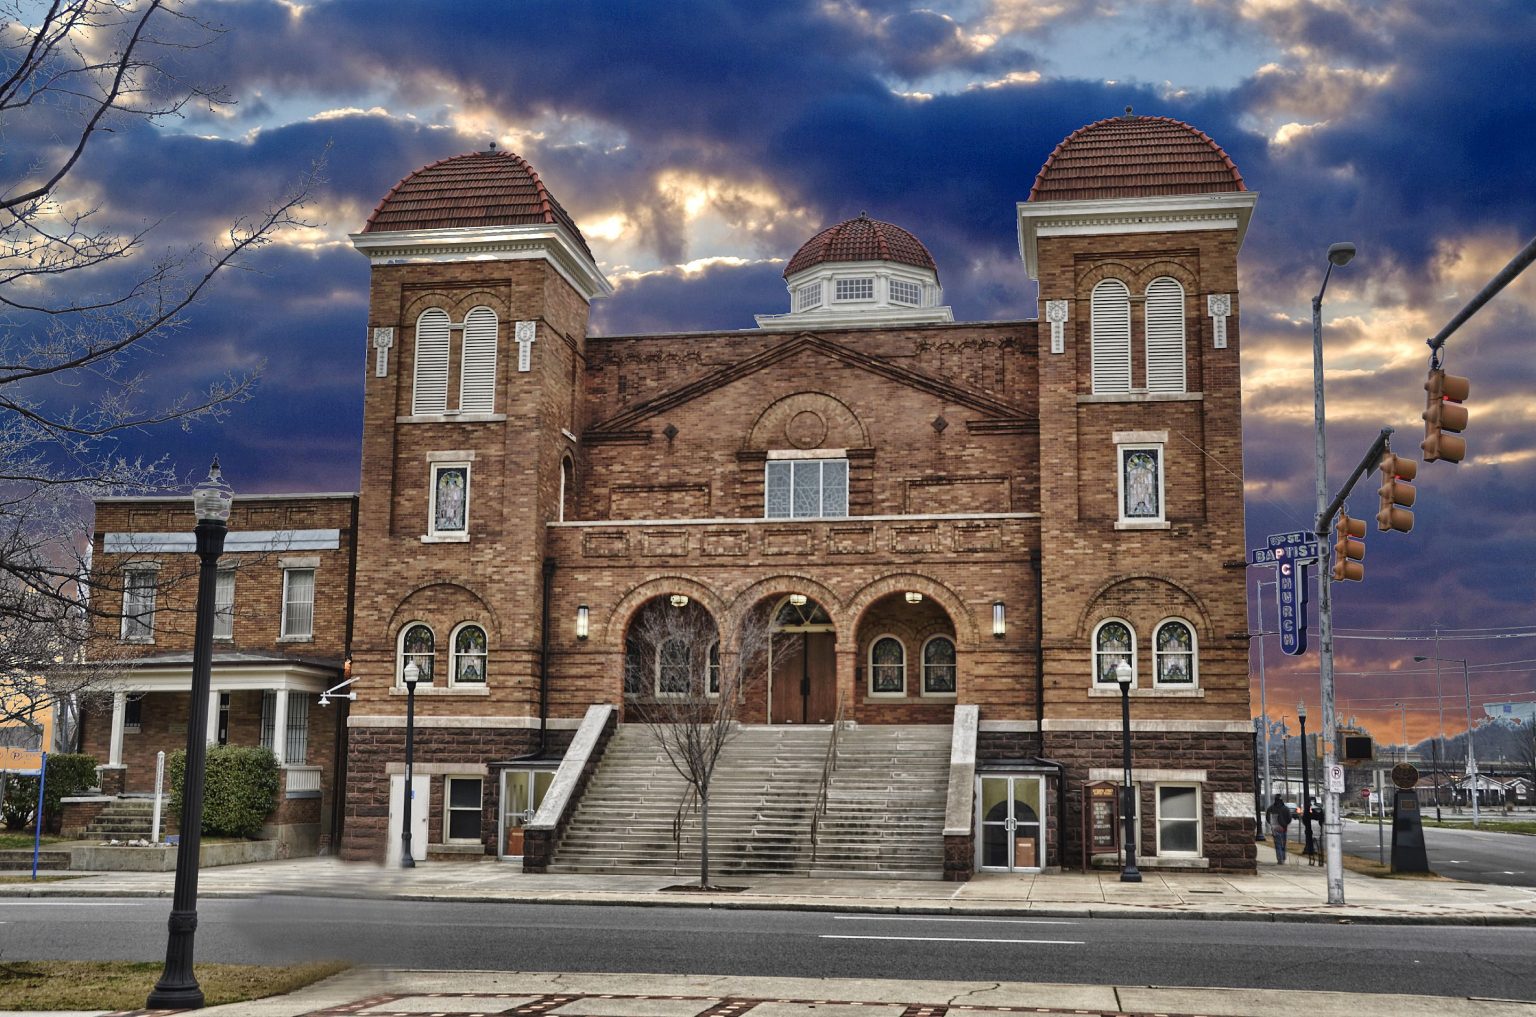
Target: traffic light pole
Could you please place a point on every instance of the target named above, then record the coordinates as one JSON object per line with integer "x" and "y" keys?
{"x": 1333, "y": 831}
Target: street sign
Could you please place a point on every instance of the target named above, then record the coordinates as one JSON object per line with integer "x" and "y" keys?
{"x": 1365, "y": 793}
{"x": 1336, "y": 779}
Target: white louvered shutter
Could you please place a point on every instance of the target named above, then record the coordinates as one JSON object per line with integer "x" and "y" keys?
{"x": 1111, "y": 337}
{"x": 477, "y": 386}
{"x": 429, "y": 389}
{"x": 1165, "y": 336}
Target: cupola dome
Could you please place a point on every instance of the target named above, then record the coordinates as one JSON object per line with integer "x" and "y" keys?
{"x": 861, "y": 271}
{"x": 1135, "y": 157}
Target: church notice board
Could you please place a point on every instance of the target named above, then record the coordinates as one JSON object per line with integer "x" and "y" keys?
{"x": 1101, "y": 820}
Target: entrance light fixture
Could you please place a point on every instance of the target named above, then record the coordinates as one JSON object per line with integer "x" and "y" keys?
{"x": 679, "y": 600}
{"x": 583, "y": 621}
{"x": 913, "y": 597}
{"x": 999, "y": 621}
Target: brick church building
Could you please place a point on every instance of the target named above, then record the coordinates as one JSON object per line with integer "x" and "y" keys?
{"x": 965, "y": 527}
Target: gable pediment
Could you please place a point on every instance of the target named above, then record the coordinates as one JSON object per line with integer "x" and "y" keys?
{"x": 997, "y": 414}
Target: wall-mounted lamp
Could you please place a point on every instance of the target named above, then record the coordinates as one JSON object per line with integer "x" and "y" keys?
{"x": 913, "y": 597}
{"x": 583, "y": 621}
{"x": 679, "y": 600}
{"x": 999, "y": 621}
{"x": 797, "y": 599}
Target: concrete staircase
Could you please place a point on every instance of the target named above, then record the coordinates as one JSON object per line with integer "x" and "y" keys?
{"x": 126, "y": 819}
{"x": 885, "y": 813}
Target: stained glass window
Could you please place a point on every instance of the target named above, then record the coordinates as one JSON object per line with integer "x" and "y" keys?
{"x": 469, "y": 656}
{"x": 888, "y": 666}
{"x": 939, "y": 666}
{"x": 1175, "y": 645}
{"x": 806, "y": 488}
{"x": 1112, "y": 643}
{"x": 450, "y": 500}
{"x": 1141, "y": 483}
{"x": 419, "y": 645}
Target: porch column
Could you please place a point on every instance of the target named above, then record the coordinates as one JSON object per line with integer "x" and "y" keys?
{"x": 280, "y": 726}
{"x": 119, "y": 718}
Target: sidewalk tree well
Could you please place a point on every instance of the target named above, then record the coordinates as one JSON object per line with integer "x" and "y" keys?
{"x": 240, "y": 792}
{"x": 687, "y": 686}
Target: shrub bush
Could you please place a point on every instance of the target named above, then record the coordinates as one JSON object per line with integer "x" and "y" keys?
{"x": 239, "y": 791}
{"x": 69, "y": 774}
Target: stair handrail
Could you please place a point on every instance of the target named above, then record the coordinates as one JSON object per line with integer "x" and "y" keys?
{"x": 828, "y": 767}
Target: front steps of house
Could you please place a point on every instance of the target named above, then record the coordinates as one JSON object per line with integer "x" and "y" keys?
{"x": 885, "y": 806}
{"x": 125, "y": 819}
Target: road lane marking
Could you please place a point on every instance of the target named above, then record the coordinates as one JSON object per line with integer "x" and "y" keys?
{"x": 958, "y": 939}
{"x": 920, "y": 918}
{"x": 69, "y": 904}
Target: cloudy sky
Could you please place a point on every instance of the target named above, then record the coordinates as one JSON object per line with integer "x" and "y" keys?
{"x": 699, "y": 143}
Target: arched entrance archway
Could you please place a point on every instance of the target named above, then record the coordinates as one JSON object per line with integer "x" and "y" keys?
{"x": 802, "y": 684}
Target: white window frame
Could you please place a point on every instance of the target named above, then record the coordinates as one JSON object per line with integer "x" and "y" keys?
{"x": 478, "y": 361}
{"x": 870, "y": 659}
{"x": 1110, "y": 317}
{"x": 1094, "y": 653}
{"x": 224, "y": 604}
{"x": 1164, "y": 328}
{"x": 454, "y": 655}
{"x": 791, "y": 466}
{"x": 142, "y": 618}
{"x": 434, "y": 469}
{"x": 286, "y": 632}
{"x": 1132, "y": 522}
{"x": 922, "y": 667}
{"x": 808, "y": 296}
{"x": 449, "y": 809}
{"x": 1194, "y": 655}
{"x": 429, "y": 372}
{"x": 401, "y": 657}
{"x": 1199, "y": 820}
{"x": 916, "y": 290}
{"x": 865, "y": 285}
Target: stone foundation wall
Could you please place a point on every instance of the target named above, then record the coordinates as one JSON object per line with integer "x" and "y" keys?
{"x": 1227, "y": 843}
{"x": 438, "y": 752}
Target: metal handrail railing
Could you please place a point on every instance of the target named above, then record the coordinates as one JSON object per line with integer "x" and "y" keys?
{"x": 828, "y": 767}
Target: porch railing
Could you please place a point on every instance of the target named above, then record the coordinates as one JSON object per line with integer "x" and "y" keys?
{"x": 828, "y": 767}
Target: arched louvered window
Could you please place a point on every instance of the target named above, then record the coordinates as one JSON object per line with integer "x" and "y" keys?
{"x": 1165, "y": 336}
{"x": 429, "y": 388}
{"x": 477, "y": 385}
{"x": 1111, "y": 337}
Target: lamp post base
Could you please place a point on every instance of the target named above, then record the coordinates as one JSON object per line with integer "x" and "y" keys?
{"x": 175, "y": 997}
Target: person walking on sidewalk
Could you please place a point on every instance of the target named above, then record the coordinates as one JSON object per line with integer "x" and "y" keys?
{"x": 1279, "y": 816}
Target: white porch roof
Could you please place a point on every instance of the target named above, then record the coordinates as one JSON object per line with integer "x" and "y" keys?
{"x": 231, "y": 672}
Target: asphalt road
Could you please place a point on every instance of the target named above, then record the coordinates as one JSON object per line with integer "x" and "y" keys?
{"x": 1477, "y": 856}
{"x": 438, "y": 935}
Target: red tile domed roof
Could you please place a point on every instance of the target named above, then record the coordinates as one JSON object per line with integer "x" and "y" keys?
{"x": 479, "y": 189}
{"x": 1135, "y": 157}
{"x": 861, "y": 239}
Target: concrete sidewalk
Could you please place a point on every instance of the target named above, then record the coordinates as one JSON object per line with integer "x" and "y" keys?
{"x": 1293, "y": 892}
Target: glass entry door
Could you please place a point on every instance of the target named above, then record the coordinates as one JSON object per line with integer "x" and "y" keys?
{"x": 1011, "y": 821}
{"x": 522, "y": 791}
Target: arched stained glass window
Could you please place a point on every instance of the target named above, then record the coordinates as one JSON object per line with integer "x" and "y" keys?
{"x": 887, "y": 667}
{"x": 1174, "y": 647}
{"x": 469, "y": 655}
{"x": 939, "y": 666}
{"x": 1113, "y": 642}
{"x": 418, "y": 644}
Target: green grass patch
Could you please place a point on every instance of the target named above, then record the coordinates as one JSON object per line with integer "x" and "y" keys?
{"x": 1365, "y": 867}
{"x": 1525, "y": 826}
{"x": 15, "y": 841}
{"x": 49, "y": 877}
{"x": 112, "y": 985}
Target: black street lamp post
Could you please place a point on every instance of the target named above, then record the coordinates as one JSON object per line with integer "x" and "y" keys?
{"x": 177, "y": 988}
{"x": 1306, "y": 790}
{"x": 1129, "y": 874}
{"x": 412, "y": 675}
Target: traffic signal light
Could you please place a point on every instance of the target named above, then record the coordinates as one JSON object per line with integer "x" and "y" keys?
{"x": 1348, "y": 549}
{"x": 1396, "y": 493}
{"x": 1443, "y": 412}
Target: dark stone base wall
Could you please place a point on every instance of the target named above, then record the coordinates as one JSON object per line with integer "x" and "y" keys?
{"x": 993, "y": 745}
{"x": 370, "y": 750}
{"x": 1227, "y": 760}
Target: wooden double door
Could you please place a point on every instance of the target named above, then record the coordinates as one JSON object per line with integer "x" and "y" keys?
{"x": 804, "y": 678}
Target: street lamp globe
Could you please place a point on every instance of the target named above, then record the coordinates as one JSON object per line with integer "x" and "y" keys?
{"x": 412, "y": 674}
{"x": 1123, "y": 674}
{"x": 212, "y": 498}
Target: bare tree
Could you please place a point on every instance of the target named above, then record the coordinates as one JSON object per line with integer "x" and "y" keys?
{"x": 83, "y": 301}
{"x": 688, "y": 691}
